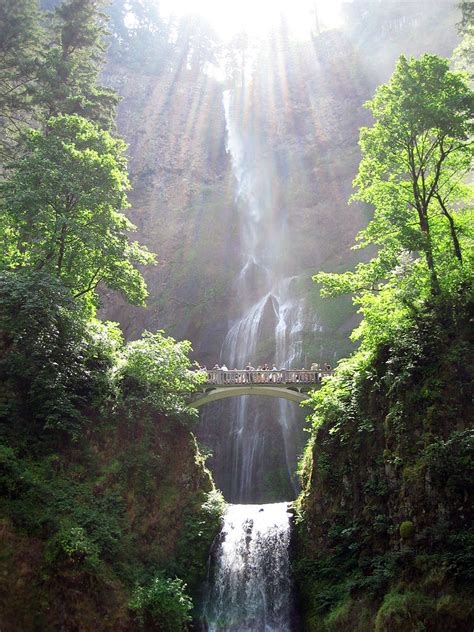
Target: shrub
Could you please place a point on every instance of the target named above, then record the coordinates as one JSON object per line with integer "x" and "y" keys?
{"x": 12, "y": 474}
{"x": 451, "y": 462}
{"x": 156, "y": 370}
{"x": 165, "y": 601}
{"x": 72, "y": 544}
{"x": 400, "y": 612}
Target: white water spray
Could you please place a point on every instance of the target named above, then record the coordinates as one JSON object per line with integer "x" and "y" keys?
{"x": 251, "y": 589}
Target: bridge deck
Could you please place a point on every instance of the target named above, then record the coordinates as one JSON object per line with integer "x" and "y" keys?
{"x": 281, "y": 377}
{"x": 283, "y": 383}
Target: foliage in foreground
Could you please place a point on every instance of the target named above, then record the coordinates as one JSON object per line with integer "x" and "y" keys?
{"x": 387, "y": 475}
{"x": 56, "y": 364}
{"x": 156, "y": 372}
{"x": 89, "y": 430}
{"x": 166, "y": 601}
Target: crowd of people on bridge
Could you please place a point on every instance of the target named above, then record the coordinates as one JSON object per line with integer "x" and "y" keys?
{"x": 263, "y": 374}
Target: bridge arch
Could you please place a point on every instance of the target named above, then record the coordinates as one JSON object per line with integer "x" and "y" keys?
{"x": 218, "y": 393}
{"x": 287, "y": 384}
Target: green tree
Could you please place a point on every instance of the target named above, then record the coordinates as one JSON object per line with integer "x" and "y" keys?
{"x": 54, "y": 362}
{"x": 414, "y": 163}
{"x": 157, "y": 371}
{"x": 61, "y": 210}
{"x": 68, "y": 78}
{"x": 21, "y": 48}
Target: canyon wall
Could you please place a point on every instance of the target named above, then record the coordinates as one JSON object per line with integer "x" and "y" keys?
{"x": 302, "y": 110}
{"x": 298, "y": 115}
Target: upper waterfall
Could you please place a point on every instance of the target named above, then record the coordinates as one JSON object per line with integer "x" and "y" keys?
{"x": 269, "y": 316}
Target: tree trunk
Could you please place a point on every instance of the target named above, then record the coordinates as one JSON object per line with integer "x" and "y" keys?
{"x": 425, "y": 229}
{"x": 421, "y": 204}
{"x": 452, "y": 227}
{"x": 62, "y": 245}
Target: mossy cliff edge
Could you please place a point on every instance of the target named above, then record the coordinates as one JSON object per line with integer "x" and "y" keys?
{"x": 107, "y": 512}
{"x": 382, "y": 537}
{"x": 87, "y": 526}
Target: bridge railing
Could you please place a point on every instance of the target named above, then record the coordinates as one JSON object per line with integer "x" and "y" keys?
{"x": 237, "y": 377}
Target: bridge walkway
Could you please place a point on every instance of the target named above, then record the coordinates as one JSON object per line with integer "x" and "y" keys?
{"x": 283, "y": 383}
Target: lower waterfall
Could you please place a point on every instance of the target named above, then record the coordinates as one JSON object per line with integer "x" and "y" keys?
{"x": 249, "y": 586}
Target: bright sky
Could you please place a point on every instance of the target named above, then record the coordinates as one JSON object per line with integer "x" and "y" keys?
{"x": 258, "y": 16}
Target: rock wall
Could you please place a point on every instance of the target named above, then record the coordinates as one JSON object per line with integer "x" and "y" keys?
{"x": 302, "y": 111}
{"x": 383, "y": 534}
{"x": 181, "y": 202}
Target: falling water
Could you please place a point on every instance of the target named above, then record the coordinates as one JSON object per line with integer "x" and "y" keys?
{"x": 251, "y": 587}
{"x": 270, "y": 310}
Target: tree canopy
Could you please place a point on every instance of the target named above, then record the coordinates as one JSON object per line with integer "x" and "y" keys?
{"x": 68, "y": 78}
{"x": 62, "y": 210}
{"x": 415, "y": 159}
{"x": 50, "y": 64}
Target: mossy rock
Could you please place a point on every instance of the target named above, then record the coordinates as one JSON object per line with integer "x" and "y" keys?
{"x": 401, "y": 612}
{"x": 407, "y": 530}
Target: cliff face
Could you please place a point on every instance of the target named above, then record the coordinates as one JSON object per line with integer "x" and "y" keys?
{"x": 300, "y": 114}
{"x": 122, "y": 509}
{"x": 181, "y": 202}
{"x": 384, "y": 539}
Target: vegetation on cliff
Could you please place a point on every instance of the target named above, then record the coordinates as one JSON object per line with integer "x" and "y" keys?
{"x": 102, "y": 527}
{"x": 384, "y": 538}
{"x": 96, "y": 509}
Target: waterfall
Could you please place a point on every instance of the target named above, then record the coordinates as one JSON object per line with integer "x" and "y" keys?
{"x": 268, "y": 311}
{"x": 251, "y": 587}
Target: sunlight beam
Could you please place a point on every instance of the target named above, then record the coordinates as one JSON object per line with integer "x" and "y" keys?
{"x": 257, "y": 17}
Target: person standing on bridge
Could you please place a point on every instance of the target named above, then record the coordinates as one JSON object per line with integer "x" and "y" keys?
{"x": 251, "y": 375}
{"x": 274, "y": 377}
{"x": 315, "y": 368}
{"x": 267, "y": 377}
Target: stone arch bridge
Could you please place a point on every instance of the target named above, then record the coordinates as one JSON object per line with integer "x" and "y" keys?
{"x": 286, "y": 384}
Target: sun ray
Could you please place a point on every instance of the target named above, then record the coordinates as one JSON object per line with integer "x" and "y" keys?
{"x": 304, "y": 17}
